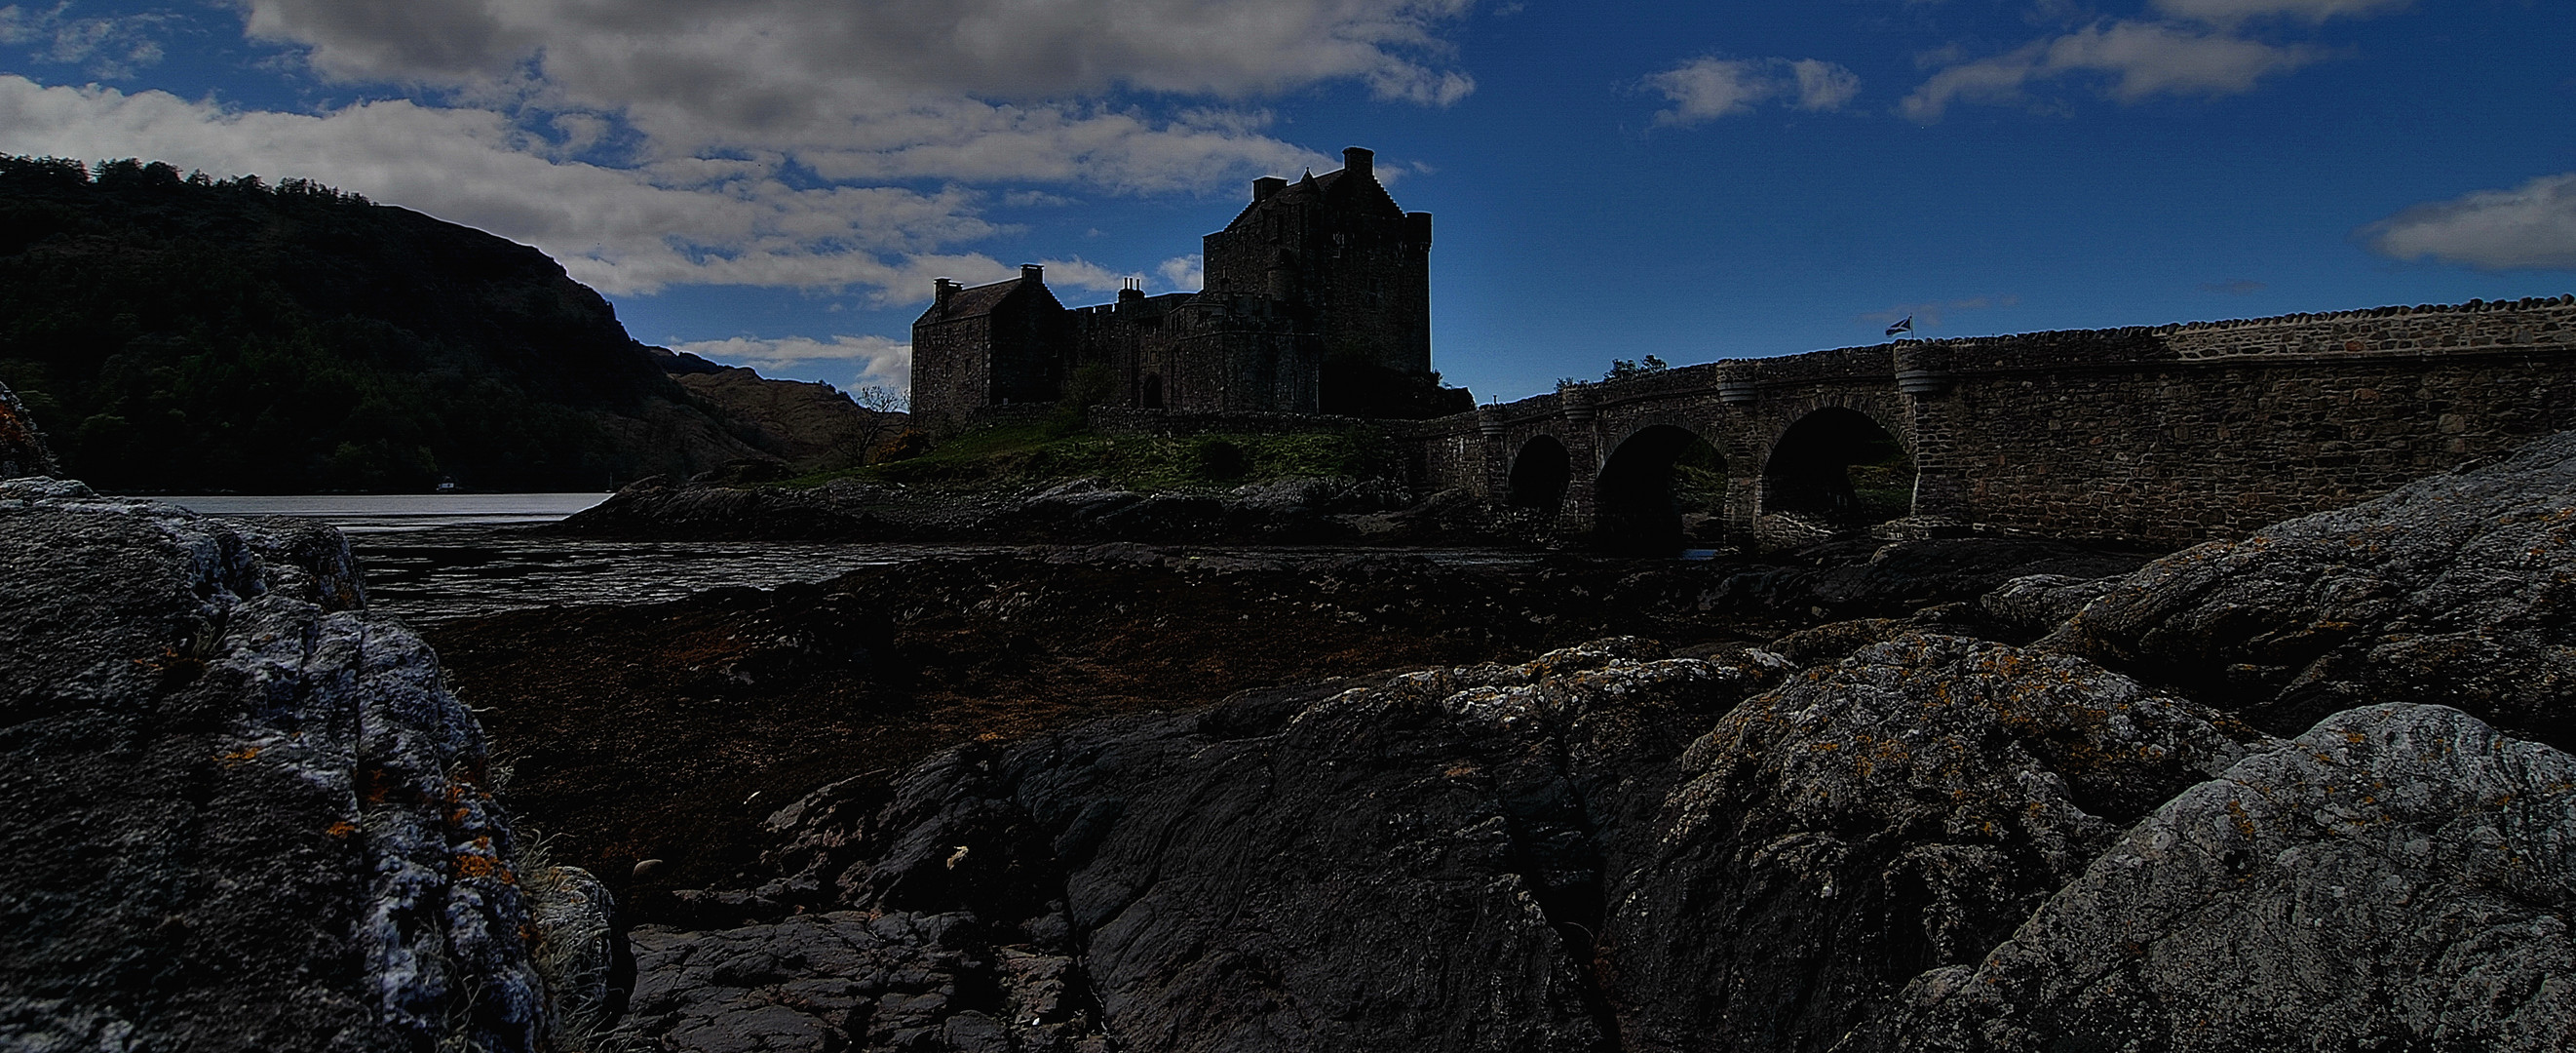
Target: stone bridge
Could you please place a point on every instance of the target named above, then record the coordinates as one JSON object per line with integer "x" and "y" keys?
{"x": 2165, "y": 435}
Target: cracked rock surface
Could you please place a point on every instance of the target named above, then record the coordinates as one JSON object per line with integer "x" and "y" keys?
{"x": 2400, "y": 877}
{"x": 2458, "y": 589}
{"x": 244, "y": 813}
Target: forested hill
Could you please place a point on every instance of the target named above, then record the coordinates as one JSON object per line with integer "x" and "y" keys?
{"x": 180, "y": 334}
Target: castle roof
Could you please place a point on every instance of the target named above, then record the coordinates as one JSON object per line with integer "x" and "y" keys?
{"x": 1339, "y": 186}
{"x": 980, "y": 299}
{"x": 984, "y": 299}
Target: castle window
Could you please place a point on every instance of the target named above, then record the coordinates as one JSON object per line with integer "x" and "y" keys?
{"x": 1153, "y": 391}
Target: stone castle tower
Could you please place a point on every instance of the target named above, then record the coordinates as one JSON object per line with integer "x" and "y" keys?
{"x": 1318, "y": 299}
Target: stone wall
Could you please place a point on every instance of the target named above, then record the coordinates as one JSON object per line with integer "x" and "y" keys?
{"x": 951, "y": 383}
{"x": 2191, "y": 432}
{"x": 2189, "y": 451}
{"x": 2170, "y": 434}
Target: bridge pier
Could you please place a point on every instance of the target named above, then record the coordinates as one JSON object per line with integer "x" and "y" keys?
{"x": 1924, "y": 379}
{"x": 1496, "y": 472}
{"x": 1581, "y": 512}
{"x": 1737, "y": 393}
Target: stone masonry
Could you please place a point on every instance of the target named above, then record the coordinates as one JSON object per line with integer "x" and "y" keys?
{"x": 2165, "y": 435}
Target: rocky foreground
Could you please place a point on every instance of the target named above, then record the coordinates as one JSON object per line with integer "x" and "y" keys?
{"x": 1867, "y": 837}
{"x": 244, "y": 814}
{"x": 2307, "y": 790}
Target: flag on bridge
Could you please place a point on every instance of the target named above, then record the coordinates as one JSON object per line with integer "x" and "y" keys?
{"x": 1906, "y": 326}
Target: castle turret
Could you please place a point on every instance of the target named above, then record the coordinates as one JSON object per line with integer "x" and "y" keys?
{"x": 1352, "y": 267}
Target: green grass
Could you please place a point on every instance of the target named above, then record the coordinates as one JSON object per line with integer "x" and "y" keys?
{"x": 1004, "y": 457}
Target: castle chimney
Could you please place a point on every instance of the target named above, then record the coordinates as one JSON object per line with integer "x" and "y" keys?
{"x": 1131, "y": 290}
{"x": 1265, "y": 186}
{"x": 1032, "y": 274}
{"x": 943, "y": 288}
{"x": 1359, "y": 162}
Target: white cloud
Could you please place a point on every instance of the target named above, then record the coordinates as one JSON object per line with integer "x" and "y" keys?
{"x": 2142, "y": 60}
{"x": 108, "y": 48}
{"x": 2530, "y": 226}
{"x": 1705, "y": 89}
{"x": 1184, "y": 273}
{"x": 2224, "y": 12}
{"x": 1080, "y": 273}
{"x": 872, "y": 359}
{"x": 1824, "y": 85}
{"x": 1112, "y": 150}
{"x": 696, "y": 73}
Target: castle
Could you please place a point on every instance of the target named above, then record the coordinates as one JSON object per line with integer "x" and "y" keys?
{"x": 1318, "y": 300}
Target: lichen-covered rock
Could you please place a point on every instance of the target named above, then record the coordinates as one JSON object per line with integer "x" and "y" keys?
{"x": 244, "y": 813}
{"x": 1863, "y": 822}
{"x": 2036, "y": 604}
{"x": 22, "y": 447}
{"x": 2458, "y": 589}
{"x": 2400, "y": 877}
{"x": 1833, "y": 641}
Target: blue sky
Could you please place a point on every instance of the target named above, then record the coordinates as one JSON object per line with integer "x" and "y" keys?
{"x": 775, "y": 182}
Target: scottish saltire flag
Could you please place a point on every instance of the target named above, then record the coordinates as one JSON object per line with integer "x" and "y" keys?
{"x": 1906, "y": 326}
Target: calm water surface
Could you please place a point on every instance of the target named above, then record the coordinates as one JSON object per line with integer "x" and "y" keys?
{"x": 394, "y": 513}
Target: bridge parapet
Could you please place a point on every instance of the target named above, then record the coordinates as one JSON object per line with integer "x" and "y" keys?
{"x": 2164, "y": 434}
{"x": 2430, "y": 329}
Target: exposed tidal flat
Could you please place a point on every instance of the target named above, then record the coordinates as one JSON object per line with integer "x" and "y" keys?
{"x": 435, "y": 557}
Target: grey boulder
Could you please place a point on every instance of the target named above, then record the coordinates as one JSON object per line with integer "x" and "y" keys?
{"x": 242, "y": 812}
{"x": 2400, "y": 877}
{"x": 1901, "y": 810}
{"x": 2459, "y": 589}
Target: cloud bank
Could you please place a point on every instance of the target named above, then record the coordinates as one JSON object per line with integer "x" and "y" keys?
{"x": 850, "y": 144}
{"x": 2139, "y": 60}
{"x": 2201, "y": 47}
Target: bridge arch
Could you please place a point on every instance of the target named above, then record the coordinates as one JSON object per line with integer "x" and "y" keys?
{"x": 1541, "y": 473}
{"x": 1661, "y": 489}
{"x": 1839, "y": 468}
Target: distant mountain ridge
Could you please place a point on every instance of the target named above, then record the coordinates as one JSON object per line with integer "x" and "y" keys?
{"x": 177, "y": 333}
